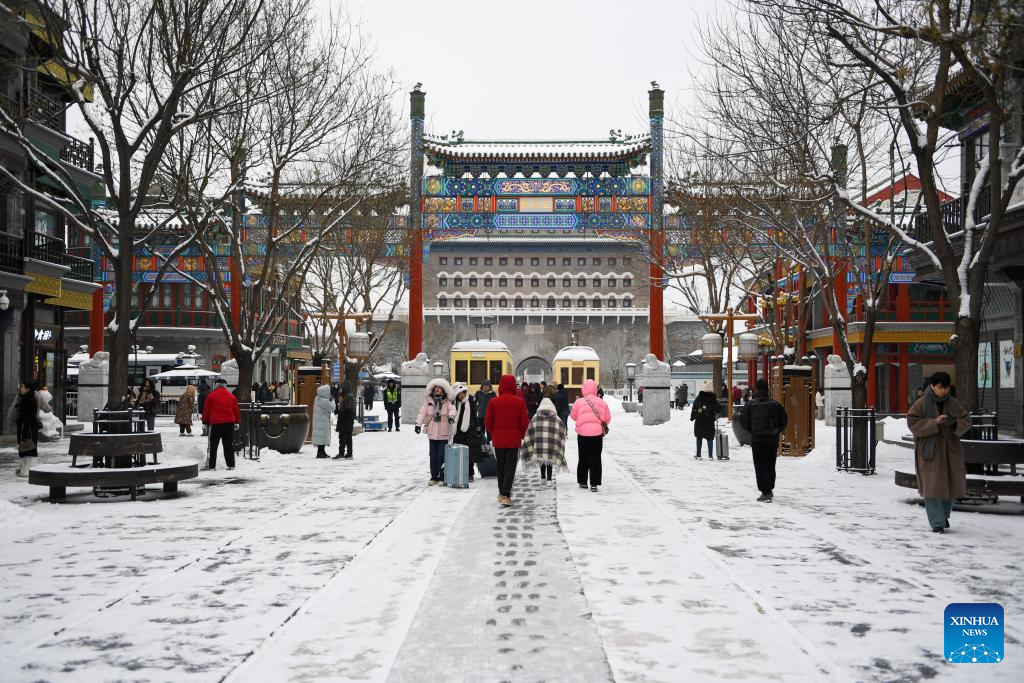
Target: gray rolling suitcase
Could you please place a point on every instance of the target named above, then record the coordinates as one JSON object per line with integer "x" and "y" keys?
{"x": 721, "y": 444}
{"x": 456, "y": 466}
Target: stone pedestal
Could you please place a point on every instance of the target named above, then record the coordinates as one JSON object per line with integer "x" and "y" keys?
{"x": 229, "y": 372}
{"x": 838, "y": 393}
{"x": 629, "y": 406}
{"x": 93, "y": 383}
{"x": 656, "y": 381}
{"x": 416, "y": 374}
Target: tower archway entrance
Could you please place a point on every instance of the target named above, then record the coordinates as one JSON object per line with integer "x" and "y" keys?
{"x": 534, "y": 369}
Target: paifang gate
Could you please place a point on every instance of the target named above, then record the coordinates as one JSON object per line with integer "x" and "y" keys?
{"x": 537, "y": 196}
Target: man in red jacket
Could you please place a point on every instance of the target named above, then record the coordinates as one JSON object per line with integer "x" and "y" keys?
{"x": 220, "y": 411}
{"x": 506, "y": 420}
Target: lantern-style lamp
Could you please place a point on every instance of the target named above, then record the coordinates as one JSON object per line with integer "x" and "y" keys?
{"x": 630, "y": 371}
{"x": 438, "y": 368}
{"x": 357, "y": 345}
{"x": 748, "y": 349}
{"x": 711, "y": 346}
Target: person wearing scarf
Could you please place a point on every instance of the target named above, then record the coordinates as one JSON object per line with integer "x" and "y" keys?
{"x": 467, "y": 426}
{"x": 545, "y": 441}
{"x": 937, "y": 422}
{"x": 23, "y": 415}
{"x": 436, "y": 418}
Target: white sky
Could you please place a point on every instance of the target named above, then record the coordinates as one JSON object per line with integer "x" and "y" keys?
{"x": 568, "y": 69}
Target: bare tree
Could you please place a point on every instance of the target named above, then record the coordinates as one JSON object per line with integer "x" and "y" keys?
{"x": 306, "y": 143}
{"x": 774, "y": 108}
{"x": 919, "y": 52}
{"x": 153, "y": 69}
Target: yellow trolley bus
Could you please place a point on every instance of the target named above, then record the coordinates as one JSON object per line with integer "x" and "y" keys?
{"x": 471, "y": 362}
{"x": 573, "y": 365}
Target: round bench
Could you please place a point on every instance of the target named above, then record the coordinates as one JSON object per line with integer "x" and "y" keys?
{"x": 59, "y": 477}
{"x": 113, "y": 447}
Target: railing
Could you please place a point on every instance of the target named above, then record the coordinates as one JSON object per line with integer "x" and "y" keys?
{"x": 47, "y": 248}
{"x": 71, "y": 404}
{"x": 953, "y": 214}
{"x": 11, "y": 106}
{"x": 79, "y": 154}
{"x": 44, "y": 109}
{"x": 179, "y": 318}
{"x": 12, "y": 253}
{"x": 855, "y": 440}
{"x": 82, "y": 269}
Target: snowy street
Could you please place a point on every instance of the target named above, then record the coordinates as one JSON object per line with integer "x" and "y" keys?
{"x": 293, "y": 568}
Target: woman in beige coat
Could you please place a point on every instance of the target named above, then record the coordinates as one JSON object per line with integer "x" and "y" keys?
{"x": 186, "y": 406}
{"x": 937, "y": 422}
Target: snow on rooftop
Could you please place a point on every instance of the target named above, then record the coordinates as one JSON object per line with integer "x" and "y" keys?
{"x": 574, "y": 149}
{"x": 577, "y": 353}
{"x": 479, "y": 345}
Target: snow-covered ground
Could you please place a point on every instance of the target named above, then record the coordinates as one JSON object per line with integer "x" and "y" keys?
{"x": 293, "y": 568}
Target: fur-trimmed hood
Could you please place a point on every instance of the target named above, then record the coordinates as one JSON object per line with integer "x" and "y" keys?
{"x": 440, "y": 382}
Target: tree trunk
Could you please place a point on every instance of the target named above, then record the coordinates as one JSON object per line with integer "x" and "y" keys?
{"x": 965, "y": 355}
{"x": 121, "y": 338}
{"x": 246, "y": 369}
{"x": 859, "y": 399}
{"x": 717, "y": 380}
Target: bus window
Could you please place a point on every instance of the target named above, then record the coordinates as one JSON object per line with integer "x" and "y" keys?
{"x": 461, "y": 371}
{"x": 477, "y": 371}
{"x": 590, "y": 373}
{"x": 565, "y": 375}
{"x": 496, "y": 372}
{"x": 577, "y": 376}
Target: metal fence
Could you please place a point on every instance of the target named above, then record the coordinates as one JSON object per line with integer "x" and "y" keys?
{"x": 71, "y": 404}
{"x": 855, "y": 440}
{"x": 248, "y": 439}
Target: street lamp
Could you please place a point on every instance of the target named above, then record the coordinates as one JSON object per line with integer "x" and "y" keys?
{"x": 438, "y": 368}
{"x": 630, "y": 378}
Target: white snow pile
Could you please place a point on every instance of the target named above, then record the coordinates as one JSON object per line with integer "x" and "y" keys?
{"x": 12, "y": 515}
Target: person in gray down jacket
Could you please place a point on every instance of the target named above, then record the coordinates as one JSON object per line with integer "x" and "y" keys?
{"x": 323, "y": 406}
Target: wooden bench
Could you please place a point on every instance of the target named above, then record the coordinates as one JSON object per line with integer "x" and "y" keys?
{"x": 108, "y": 448}
{"x": 60, "y": 477}
{"x": 981, "y": 452}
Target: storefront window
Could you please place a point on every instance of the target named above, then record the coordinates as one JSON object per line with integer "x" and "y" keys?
{"x": 46, "y": 222}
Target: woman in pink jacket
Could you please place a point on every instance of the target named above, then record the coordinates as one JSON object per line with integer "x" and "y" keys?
{"x": 591, "y": 416}
{"x": 436, "y": 417}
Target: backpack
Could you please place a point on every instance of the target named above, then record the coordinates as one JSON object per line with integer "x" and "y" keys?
{"x": 764, "y": 419}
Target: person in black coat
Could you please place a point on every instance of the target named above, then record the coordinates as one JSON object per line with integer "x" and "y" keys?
{"x": 705, "y": 411}
{"x": 561, "y": 401}
{"x": 765, "y": 419}
{"x": 204, "y": 391}
{"x": 369, "y": 393}
{"x": 346, "y": 413}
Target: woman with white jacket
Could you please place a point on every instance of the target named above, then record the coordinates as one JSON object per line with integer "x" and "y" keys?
{"x": 323, "y": 407}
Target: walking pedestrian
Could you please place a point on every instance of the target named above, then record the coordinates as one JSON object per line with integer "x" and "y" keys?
{"x": 283, "y": 393}
{"x": 506, "y": 421}
{"x": 323, "y": 406}
{"x": 264, "y": 393}
{"x": 937, "y": 422}
{"x": 545, "y": 441}
{"x": 764, "y": 418}
{"x": 532, "y": 399}
{"x": 467, "y": 427}
{"x": 204, "y": 391}
{"x": 640, "y": 395}
{"x": 685, "y": 390}
{"x": 393, "y": 404}
{"x": 591, "y": 416}
{"x": 148, "y": 401}
{"x": 600, "y": 392}
{"x": 705, "y": 411}
{"x": 483, "y": 397}
{"x": 221, "y": 413}
{"x": 186, "y": 406}
{"x": 561, "y": 401}
{"x": 819, "y": 403}
{"x": 346, "y": 422}
{"x": 548, "y": 391}
{"x": 369, "y": 393}
{"x": 436, "y": 416}
{"x": 23, "y": 416}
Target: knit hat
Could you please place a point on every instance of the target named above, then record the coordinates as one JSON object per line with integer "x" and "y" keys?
{"x": 546, "y": 406}
{"x": 485, "y": 383}
{"x": 707, "y": 387}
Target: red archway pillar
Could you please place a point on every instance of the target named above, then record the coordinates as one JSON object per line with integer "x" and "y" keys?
{"x": 96, "y": 322}
{"x": 416, "y": 293}
{"x": 656, "y": 296}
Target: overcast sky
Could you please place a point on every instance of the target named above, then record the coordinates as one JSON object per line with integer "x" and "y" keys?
{"x": 568, "y": 69}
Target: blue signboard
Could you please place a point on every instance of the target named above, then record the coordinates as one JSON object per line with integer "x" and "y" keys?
{"x": 336, "y": 371}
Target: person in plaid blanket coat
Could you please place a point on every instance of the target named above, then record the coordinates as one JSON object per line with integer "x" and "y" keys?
{"x": 545, "y": 441}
